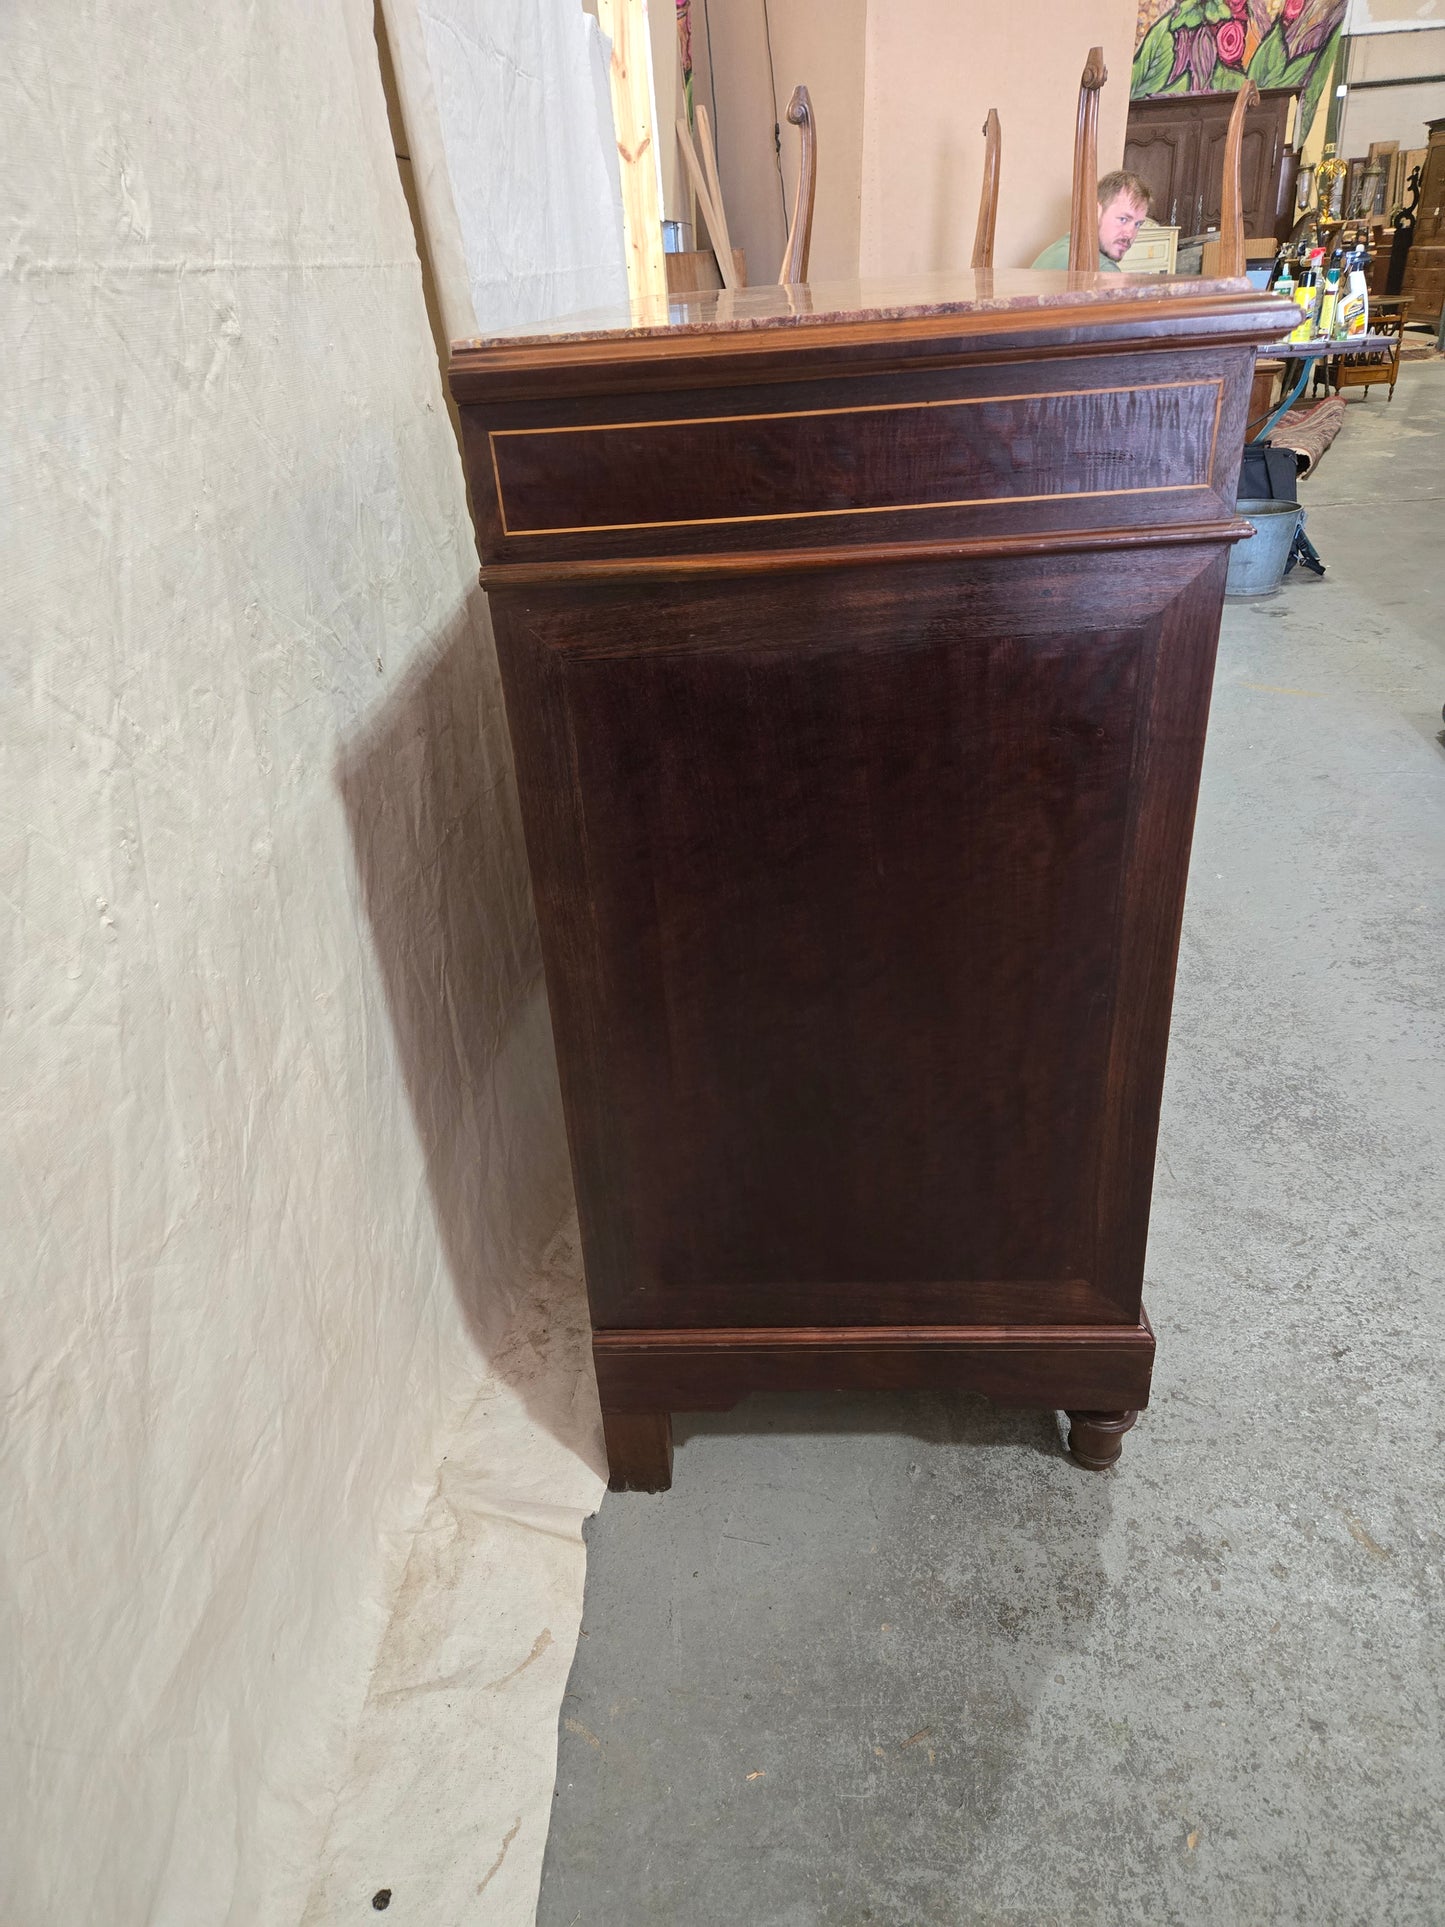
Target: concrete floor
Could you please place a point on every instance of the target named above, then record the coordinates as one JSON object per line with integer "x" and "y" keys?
{"x": 898, "y": 1660}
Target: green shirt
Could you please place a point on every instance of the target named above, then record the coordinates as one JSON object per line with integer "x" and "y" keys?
{"x": 1057, "y": 256}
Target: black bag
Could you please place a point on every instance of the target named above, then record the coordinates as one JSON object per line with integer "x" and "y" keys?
{"x": 1269, "y": 474}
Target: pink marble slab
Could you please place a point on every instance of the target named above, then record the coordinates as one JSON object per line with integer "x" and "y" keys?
{"x": 746, "y": 310}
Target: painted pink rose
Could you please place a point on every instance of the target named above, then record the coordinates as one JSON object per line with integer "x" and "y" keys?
{"x": 1293, "y": 9}
{"x": 1229, "y": 42}
{"x": 1239, "y": 8}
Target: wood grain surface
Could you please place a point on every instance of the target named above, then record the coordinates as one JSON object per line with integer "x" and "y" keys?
{"x": 985, "y": 449}
{"x": 857, "y": 711}
{"x": 836, "y": 887}
{"x": 1127, "y": 439}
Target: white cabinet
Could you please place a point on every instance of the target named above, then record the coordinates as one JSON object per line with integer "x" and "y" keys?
{"x": 1153, "y": 251}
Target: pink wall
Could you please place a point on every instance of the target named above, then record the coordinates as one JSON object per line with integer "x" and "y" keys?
{"x": 934, "y": 68}
{"x": 900, "y": 89}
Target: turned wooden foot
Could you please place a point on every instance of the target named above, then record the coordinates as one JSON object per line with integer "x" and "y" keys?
{"x": 639, "y": 1450}
{"x": 1097, "y": 1438}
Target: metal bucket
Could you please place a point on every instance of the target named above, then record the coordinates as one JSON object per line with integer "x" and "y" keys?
{"x": 1256, "y": 567}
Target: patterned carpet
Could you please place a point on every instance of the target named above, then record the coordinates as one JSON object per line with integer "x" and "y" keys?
{"x": 1309, "y": 431}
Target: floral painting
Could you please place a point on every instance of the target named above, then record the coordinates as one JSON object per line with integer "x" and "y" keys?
{"x": 684, "y": 52}
{"x": 1209, "y": 46}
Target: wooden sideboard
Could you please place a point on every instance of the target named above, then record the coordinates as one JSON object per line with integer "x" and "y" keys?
{"x": 856, "y": 646}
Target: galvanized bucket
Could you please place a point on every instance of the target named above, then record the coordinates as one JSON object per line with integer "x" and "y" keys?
{"x": 1256, "y": 567}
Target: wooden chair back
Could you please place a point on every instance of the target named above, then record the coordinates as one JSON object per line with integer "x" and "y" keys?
{"x": 1084, "y": 226}
{"x": 800, "y": 229}
{"x": 1231, "y": 206}
{"x": 988, "y": 198}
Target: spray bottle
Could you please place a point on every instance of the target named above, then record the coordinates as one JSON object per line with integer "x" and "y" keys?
{"x": 1307, "y": 296}
{"x": 1329, "y": 300}
{"x": 1353, "y": 314}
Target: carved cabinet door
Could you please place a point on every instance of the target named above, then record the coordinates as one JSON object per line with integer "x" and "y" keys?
{"x": 1260, "y": 158}
{"x": 1165, "y": 154}
{"x": 1177, "y": 147}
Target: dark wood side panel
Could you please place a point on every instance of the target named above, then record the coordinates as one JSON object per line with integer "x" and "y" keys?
{"x": 1169, "y": 750}
{"x": 836, "y": 876}
{"x": 1068, "y": 1369}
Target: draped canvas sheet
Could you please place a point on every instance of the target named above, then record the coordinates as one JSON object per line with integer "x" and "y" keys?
{"x": 280, "y": 1161}
{"x": 509, "y": 122}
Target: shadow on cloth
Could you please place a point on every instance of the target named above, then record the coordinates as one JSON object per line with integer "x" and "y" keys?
{"x": 431, "y": 805}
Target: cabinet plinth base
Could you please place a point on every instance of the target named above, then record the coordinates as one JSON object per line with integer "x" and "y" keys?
{"x": 1098, "y": 1374}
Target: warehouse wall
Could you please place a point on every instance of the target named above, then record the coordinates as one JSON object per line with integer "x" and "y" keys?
{"x": 1392, "y": 16}
{"x": 822, "y": 43}
{"x": 740, "y": 83}
{"x": 280, "y": 1124}
{"x": 934, "y": 70}
{"x": 1399, "y": 112}
{"x": 900, "y": 93}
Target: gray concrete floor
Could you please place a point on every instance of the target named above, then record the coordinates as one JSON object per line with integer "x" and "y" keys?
{"x": 898, "y": 1660}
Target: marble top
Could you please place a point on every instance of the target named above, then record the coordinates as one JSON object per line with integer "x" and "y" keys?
{"x": 748, "y": 310}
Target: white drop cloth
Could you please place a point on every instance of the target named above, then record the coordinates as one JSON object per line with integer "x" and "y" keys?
{"x": 281, "y": 1152}
{"x": 509, "y": 118}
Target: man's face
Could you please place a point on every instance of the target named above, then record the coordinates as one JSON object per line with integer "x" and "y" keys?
{"x": 1119, "y": 222}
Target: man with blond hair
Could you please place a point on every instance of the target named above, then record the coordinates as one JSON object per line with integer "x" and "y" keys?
{"x": 1123, "y": 209}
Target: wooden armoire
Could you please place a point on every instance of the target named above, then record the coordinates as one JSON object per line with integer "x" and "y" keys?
{"x": 1176, "y": 145}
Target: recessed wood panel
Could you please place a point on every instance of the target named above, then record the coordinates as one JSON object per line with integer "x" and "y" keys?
{"x": 1114, "y": 441}
{"x": 833, "y": 876}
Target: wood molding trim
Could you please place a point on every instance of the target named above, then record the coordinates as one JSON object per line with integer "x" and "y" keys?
{"x": 624, "y": 1341}
{"x": 524, "y": 575}
{"x": 709, "y": 1370}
